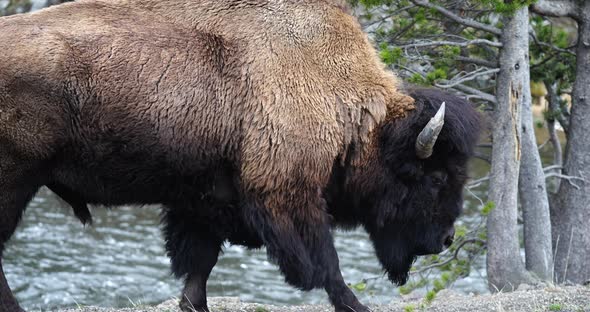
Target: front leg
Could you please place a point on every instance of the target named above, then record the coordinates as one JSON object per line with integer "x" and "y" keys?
{"x": 340, "y": 294}
{"x": 283, "y": 203}
{"x": 193, "y": 249}
{"x": 299, "y": 239}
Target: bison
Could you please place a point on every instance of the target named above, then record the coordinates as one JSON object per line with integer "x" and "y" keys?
{"x": 257, "y": 122}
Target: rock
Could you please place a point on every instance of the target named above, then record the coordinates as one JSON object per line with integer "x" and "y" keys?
{"x": 524, "y": 287}
{"x": 569, "y": 298}
{"x": 446, "y": 293}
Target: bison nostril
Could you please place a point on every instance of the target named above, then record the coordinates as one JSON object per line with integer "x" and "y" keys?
{"x": 449, "y": 238}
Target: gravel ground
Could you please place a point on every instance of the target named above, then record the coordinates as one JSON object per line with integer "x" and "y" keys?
{"x": 569, "y": 298}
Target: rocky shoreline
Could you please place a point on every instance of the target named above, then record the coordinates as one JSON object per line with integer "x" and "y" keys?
{"x": 569, "y": 298}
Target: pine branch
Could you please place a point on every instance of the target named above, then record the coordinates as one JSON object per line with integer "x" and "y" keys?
{"x": 547, "y": 45}
{"x": 452, "y": 43}
{"x": 483, "y": 157}
{"x": 472, "y": 92}
{"x": 570, "y": 179}
{"x": 469, "y": 77}
{"x": 478, "y": 182}
{"x": 458, "y": 19}
{"x": 454, "y": 257}
{"x": 477, "y": 61}
{"x": 387, "y": 16}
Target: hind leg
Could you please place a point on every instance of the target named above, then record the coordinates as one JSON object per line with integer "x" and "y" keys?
{"x": 16, "y": 190}
{"x": 193, "y": 249}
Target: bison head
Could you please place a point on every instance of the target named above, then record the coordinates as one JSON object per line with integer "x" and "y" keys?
{"x": 412, "y": 192}
{"x": 422, "y": 167}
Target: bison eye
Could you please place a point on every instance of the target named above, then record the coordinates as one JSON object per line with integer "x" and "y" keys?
{"x": 411, "y": 172}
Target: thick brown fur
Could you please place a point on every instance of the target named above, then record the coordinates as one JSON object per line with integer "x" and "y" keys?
{"x": 231, "y": 113}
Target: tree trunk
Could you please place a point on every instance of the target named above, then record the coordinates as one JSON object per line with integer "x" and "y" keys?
{"x": 533, "y": 192}
{"x": 554, "y": 110}
{"x": 572, "y": 219}
{"x": 505, "y": 267}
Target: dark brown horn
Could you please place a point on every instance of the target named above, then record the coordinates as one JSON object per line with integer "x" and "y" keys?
{"x": 427, "y": 138}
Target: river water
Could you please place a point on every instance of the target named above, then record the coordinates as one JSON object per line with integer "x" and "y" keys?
{"x": 53, "y": 261}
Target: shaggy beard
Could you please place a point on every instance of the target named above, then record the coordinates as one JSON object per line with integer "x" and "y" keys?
{"x": 396, "y": 259}
{"x": 400, "y": 272}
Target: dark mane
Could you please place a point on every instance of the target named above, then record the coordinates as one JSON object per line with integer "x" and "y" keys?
{"x": 397, "y": 140}
{"x": 405, "y": 203}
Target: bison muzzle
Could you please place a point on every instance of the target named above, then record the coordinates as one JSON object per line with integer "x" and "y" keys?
{"x": 257, "y": 122}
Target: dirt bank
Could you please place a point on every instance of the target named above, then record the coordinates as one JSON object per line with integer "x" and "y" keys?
{"x": 571, "y": 299}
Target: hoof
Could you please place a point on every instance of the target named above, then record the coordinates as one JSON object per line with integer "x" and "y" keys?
{"x": 186, "y": 306}
{"x": 356, "y": 308}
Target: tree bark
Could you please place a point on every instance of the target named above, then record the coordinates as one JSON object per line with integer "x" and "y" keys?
{"x": 555, "y": 8}
{"x": 533, "y": 192}
{"x": 505, "y": 267}
{"x": 559, "y": 113}
{"x": 572, "y": 219}
{"x": 554, "y": 109}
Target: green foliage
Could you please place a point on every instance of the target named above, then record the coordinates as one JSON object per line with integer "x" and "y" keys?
{"x": 438, "y": 73}
{"x": 418, "y": 79}
{"x": 374, "y": 3}
{"x": 411, "y": 285}
{"x": 483, "y": 235}
{"x": 261, "y": 309}
{"x": 430, "y": 79}
{"x": 438, "y": 285}
{"x": 361, "y": 286}
{"x": 395, "y": 23}
{"x": 548, "y": 64}
{"x": 460, "y": 231}
{"x": 409, "y": 308}
{"x": 430, "y": 295}
{"x": 555, "y": 307}
{"x": 391, "y": 56}
{"x": 505, "y": 7}
{"x": 487, "y": 208}
{"x": 450, "y": 270}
